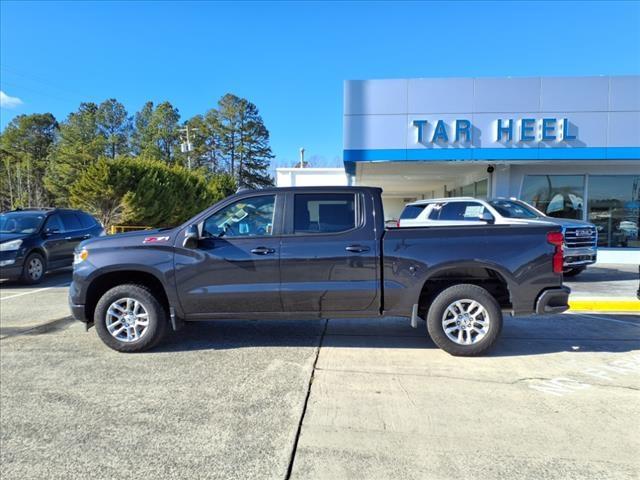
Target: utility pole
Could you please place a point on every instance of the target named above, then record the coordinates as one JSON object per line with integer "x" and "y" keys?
{"x": 187, "y": 147}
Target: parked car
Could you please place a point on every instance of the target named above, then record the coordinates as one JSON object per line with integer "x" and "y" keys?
{"x": 35, "y": 240}
{"x": 580, "y": 238}
{"x": 316, "y": 252}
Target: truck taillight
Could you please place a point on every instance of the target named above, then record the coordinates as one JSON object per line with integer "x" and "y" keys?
{"x": 398, "y": 224}
{"x": 557, "y": 239}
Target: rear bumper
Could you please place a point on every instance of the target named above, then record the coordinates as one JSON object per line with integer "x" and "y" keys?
{"x": 553, "y": 300}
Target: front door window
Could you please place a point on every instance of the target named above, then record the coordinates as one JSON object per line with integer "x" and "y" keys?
{"x": 249, "y": 217}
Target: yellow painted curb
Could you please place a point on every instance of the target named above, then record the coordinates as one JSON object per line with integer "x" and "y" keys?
{"x": 590, "y": 304}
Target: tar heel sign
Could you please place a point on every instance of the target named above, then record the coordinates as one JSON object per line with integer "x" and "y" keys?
{"x": 505, "y": 130}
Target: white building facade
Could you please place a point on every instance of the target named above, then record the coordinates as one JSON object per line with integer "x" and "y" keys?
{"x": 568, "y": 145}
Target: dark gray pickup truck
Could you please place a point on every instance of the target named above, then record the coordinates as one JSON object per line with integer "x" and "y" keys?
{"x": 305, "y": 253}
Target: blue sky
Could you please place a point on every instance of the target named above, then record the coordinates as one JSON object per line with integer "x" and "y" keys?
{"x": 290, "y": 59}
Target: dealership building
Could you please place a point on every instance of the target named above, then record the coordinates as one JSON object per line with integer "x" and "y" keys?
{"x": 568, "y": 145}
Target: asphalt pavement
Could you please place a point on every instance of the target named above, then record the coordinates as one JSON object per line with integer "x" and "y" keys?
{"x": 558, "y": 398}
{"x": 24, "y": 307}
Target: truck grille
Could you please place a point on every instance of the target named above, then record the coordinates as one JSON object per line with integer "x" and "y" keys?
{"x": 580, "y": 237}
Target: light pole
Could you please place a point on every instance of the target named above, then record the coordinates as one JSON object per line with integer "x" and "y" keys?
{"x": 187, "y": 147}
{"x": 302, "y": 158}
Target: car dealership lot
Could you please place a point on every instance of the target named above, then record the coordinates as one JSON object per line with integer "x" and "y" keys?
{"x": 557, "y": 398}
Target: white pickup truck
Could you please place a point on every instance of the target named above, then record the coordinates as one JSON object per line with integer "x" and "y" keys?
{"x": 581, "y": 238}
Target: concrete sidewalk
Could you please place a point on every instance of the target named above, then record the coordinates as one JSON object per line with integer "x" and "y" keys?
{"x": 605, "y": 288}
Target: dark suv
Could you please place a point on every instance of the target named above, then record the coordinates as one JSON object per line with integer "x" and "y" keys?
{"x": 35, "y": 240}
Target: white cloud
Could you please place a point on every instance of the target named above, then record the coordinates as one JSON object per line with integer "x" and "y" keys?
{"x": 9, "y": 102}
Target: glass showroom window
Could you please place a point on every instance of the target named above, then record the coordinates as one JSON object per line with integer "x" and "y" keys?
{"x": 614, "y": 208}
{"x": 560, "y": 196}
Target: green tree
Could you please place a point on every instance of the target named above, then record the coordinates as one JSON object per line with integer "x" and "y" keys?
{"x": 205, "y": 132}
{"x": 81, "y": 144}
{"x": 25, "y": 145}
{"x": 146, "y": 192}
{"x": 115, "y": 125}
{"x": 157, "y": 133}
{"x": 244, "y": 142}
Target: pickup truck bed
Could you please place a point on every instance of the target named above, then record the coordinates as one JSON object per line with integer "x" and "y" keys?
{"x": 316, "y": 253}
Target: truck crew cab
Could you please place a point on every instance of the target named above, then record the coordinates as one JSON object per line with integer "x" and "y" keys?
{"x": 312, "y": 252}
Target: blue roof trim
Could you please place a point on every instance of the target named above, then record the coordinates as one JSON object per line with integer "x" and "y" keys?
{"x": 456, "y": 154}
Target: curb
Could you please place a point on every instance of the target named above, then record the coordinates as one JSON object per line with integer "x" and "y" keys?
{"x": 594, "y": 304}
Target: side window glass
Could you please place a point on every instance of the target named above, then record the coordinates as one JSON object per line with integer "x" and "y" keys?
{"x": 87, "y": 221}
{"x": 249, "y": 217}
{"x": 54, "y": 223}
{"x": 461, "y": 211}
{"x": 70, "y": 221}
{"x": 412, "y": 211}
{"x": 324, "y": 213}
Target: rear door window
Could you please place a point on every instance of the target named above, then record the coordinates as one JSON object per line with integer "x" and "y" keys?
{"x": 324, "y": 213}
{"x": 461, "y": 211}
{"x": 54, "y": 223}
{"x": 412, "y": 211}
{"x": 70, "y": 221}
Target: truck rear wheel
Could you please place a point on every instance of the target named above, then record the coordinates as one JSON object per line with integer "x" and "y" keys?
{"x": 464, "y": 320}
{"x": 129, "y": 318}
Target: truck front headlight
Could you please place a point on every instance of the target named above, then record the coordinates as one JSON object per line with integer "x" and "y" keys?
{"x": 81, "y": 256}
{"x": 9, "y": 246}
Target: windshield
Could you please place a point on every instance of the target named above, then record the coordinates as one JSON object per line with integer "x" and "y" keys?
{"x": 510, "y": 209}
{"x": 20, "y": 222}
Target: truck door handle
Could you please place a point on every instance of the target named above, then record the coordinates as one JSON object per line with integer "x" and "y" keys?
{"x": 357, "y": 248}
{"x": 262, "y": 251}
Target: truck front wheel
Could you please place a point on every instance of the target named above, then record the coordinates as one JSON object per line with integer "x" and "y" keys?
{"x": 129, "y": 318}
{"x": 464, "y": 320}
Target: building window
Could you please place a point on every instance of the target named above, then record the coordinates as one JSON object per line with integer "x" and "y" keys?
{"x": 560, "y": 196}
{"x": 614, "y": 208}
{"x": 481, "y": 188}
{"x": 475, "y": 189}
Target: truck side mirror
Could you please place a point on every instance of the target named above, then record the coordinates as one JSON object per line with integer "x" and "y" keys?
{"x": 487, "y": 217}
{"x": 191, "y": 237}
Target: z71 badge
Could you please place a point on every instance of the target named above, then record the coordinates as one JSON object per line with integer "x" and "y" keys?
{"x": 156, "y": 239}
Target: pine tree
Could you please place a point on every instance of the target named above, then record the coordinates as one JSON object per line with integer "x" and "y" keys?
{"x": 157, "y": 133}
{"x": 115, "y": 125}
{"x": 244, "y": 142}
{"x": 81, "y": 144}
{"x": 25, "y": 145}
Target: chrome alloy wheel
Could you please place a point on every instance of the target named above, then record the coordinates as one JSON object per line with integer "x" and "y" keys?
{"x": 35, "y": 269}
{"x": 127, "y": 320}
{"x": 465, "y": 322}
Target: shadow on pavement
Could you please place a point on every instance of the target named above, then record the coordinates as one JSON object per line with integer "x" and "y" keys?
{"x": 520, "y": 336}
{"x": 51, "y": 279}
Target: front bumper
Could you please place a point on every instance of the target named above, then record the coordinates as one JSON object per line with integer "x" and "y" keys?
{"x": 11, "y": 263}
{"x": 553, "y": 300}
{"x": 77, "y": 309}
{"x": 576, "y": 257}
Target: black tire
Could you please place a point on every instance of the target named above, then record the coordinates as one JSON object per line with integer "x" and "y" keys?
{"x": 461, "y": 292}
{"x": 156, "y": 314}
{"x": 572, "y": 272}
{"x": 31, "y": 273}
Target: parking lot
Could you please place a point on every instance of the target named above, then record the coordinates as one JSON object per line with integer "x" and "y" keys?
{"x": 557, "y": 398}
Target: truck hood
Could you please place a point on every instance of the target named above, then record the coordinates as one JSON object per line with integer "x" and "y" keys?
{"x": 568, "y": 222}
{"x": 159, "y": 236}
{"x": 7, "y": 237}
